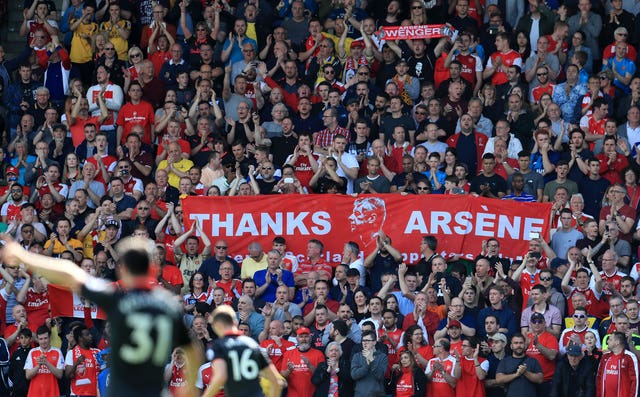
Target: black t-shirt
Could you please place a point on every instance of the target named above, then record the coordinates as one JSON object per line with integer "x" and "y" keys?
{"x": 145, "y": 326}
{"x": 520, "y": 386}
{"x": 496, "y": 183}
{"x": 244, "y": 360}
{"x": 381, "y": 265}
{"x": 266, "y": 187}
{"x": 281, "y": 148}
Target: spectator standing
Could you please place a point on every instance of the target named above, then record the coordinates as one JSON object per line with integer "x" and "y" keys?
{"x": 368, "y": 367}
{"x": 519, "y": 373}
{"x": 443, "y": 371}
{"x": 44, "y": 366}
{"x": 574, "y": 375}
{"x": 618, "y": 370}
{"x": 299, "y": 364}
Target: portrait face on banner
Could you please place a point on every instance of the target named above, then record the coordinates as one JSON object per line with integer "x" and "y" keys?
{"x": 367, "y": 219}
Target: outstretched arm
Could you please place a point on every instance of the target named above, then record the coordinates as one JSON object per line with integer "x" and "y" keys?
{"x": 59, "y": 271}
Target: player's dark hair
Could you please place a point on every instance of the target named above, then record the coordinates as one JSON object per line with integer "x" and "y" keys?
{"x": 136, "y": 261}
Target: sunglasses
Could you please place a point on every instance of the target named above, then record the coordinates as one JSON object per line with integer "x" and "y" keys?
{"x": 536, "y": 321}
{"x": 579, "y": 316}
{"x": 137, "y": 55}
{"x": 545, "y": 278}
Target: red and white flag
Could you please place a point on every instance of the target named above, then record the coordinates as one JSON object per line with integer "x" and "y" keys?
{"x": 65, "y": 303}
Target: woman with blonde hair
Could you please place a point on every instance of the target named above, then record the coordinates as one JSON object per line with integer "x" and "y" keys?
{"x": 136, "y": 58}
{"x": 71, "y": 169}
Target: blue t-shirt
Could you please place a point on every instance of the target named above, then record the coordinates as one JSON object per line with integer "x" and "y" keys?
{"x": 538, "y": 166}
{"x": 270, "y": 294}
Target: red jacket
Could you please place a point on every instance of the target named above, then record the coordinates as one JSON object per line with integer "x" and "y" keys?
{"x": 430, "y": 321}
{"x": 624, "y": 369}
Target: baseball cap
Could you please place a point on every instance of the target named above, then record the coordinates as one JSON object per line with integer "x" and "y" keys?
{"x": 574, "y": 350}
{"x": 12, "y": 170}
{"x": 357, "y": 44}
{"x": 454, "y": 324}
{"x": 499, "y": 336}
{"x": 112, "y": 222}
{"x": 302, "y": 331}
{"x": 537, "y": 316}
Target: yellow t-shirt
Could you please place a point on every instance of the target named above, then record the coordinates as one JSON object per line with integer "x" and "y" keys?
{"x": 59, "y": 248}
{"x": 121, "y": 45}
{"x": 249, "y": 266}
{"x": 81, "y": 46}
{"x": 251, "y": 31}
{"x": 183, "y": 165}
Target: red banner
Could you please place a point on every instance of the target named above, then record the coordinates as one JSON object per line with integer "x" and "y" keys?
{"x": 418, "y": 32}
{"x": 459, "y": 222}
{"x": 65, "y": 303}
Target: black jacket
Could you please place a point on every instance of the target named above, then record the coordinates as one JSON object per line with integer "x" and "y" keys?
{"x": 568, "y": 382}
{"x": 419, "y": 382}
{"x": 320, "y": 378}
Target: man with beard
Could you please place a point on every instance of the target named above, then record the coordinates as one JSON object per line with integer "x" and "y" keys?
{"x": 344, "y": 330}
{"x": 518, "y": 372}
{"x": 298, "y": 365}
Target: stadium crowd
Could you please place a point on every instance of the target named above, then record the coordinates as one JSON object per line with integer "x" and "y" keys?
{"x": 116, "y": 111}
